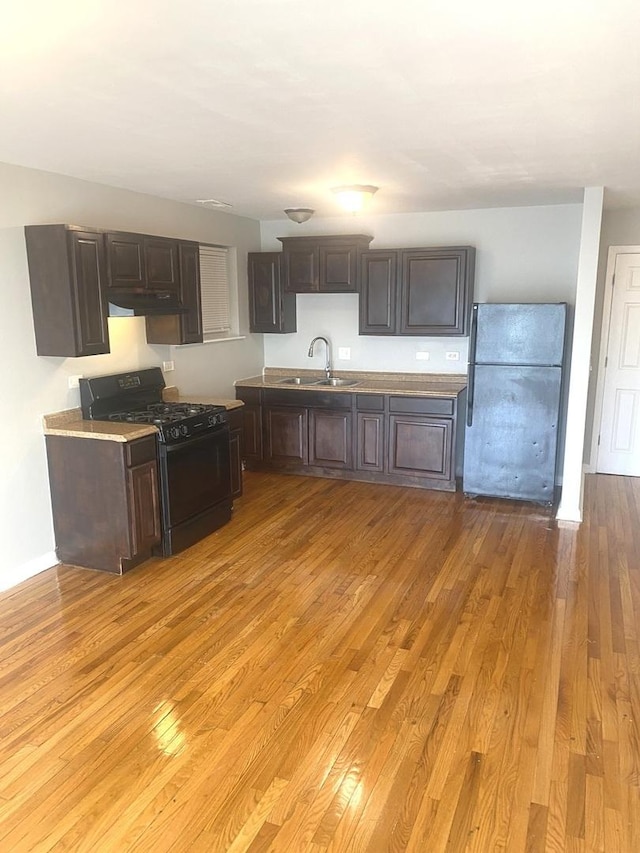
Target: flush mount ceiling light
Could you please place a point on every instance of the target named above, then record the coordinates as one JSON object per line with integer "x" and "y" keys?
{"x": 354, "y": 198}
{"x": 299, "y": 214}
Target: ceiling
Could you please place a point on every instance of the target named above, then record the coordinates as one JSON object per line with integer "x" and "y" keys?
{"x": 267, "y": 104}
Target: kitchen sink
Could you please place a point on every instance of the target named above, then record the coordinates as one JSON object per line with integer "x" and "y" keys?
{"x": 297, "y": 380}
{"x": 338, "y": 383}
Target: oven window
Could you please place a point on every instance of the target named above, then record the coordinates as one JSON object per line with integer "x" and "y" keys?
{"x": 197, "y": 476}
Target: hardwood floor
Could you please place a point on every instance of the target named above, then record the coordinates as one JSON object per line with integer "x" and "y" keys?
{"x": 344, "y": 667}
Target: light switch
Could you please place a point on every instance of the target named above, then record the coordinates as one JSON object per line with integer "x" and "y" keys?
{"x": 344, "y": 353}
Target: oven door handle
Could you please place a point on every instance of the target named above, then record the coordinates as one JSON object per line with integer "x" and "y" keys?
{"x": 189, "y": 443}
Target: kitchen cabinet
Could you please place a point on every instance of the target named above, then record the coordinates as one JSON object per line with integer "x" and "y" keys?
{"x": 235, "y": 451}
{"x": 184, "y": 328}
{"x": 330, "y": 438}
{"x": 286, "y": 437}
{"x": 141, "y": 261}
{"x": 426, "y": 292}
{"x": 370, "y": 432}
{"x": 114, "y": 527}
{"x": 385, "y": 438}
{"x": 322, "y": 264}
{"x": 251, "y": 424}
{"x": 271, "y": 310}
{"x": 67, "y": 274}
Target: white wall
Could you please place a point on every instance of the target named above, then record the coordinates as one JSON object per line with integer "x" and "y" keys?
{"x": 35, "y": 385}
{"x": 527, "y": 254}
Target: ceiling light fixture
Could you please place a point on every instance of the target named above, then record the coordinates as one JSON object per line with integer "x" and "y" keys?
{"x": 354, "y": 198}
{"x": 299, "y": 214}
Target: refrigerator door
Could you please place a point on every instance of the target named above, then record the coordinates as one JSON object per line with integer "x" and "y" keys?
{"x": 518, "y": 333}
{"x": 510, "y": 447}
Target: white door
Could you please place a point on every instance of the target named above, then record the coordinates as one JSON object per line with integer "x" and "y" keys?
{"x": 619, "y": 447}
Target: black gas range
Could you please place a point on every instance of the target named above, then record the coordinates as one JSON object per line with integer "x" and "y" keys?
{"x": 193, "y": 450}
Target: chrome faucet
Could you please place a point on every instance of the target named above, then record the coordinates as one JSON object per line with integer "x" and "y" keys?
{"x": 327, "y": 368}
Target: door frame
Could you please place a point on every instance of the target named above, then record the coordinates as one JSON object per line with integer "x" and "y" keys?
{"x": 612, "y": 257}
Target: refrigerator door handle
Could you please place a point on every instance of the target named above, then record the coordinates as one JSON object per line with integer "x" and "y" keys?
{"x": 470, "y": 387}
{"x": 474, "y": 334}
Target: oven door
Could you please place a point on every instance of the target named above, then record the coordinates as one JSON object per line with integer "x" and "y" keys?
{"x": 195, "y": 478}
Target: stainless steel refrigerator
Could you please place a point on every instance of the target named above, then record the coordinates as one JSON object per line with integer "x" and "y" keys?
{"x": 514, "y": 400}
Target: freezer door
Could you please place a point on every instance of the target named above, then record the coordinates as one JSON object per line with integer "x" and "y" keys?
{"x": 518, "y": 333}
{"x": 510, "y": 447}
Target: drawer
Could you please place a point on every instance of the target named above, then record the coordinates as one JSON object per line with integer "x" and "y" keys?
{"x": 421, "y": 405}
{"x": 304, "y": 398}
{"x": 235, "y": 418}
{"x": 370, "y": 402}
{"x": 140, "y": 451}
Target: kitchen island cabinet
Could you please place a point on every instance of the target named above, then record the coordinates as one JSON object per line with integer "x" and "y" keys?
{"x": 105, "y": 500}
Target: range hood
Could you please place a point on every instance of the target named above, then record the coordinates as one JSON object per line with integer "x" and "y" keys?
{"x": 138, "y": 302}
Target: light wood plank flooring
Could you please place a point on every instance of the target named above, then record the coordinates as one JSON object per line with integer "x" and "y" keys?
{"x": 344, "y": 667}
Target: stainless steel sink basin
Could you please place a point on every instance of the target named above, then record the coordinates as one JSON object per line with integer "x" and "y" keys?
{"x": 297, "y": 380}
{"x": 338, "y": 383}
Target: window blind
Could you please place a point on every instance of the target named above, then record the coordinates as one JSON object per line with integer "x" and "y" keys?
{"x": 214, "y": 285}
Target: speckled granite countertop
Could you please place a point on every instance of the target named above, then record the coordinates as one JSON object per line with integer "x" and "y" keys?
{"x": 369, "y": 382}
{"x": 71, "y": 423}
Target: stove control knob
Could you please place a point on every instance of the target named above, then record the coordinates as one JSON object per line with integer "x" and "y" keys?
{"x": 174, "y": 432}
{"x": 184, "y": 429}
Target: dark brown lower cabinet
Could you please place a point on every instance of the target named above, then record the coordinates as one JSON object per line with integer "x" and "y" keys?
{"x": 286, "y": 435}
{"x": 370, "y": 442}
{"x": 235, "y": 451}
{"x": 330, "y": 439}
{"x": 420, "y": 446}
{"x": 113, "y": 527}
{"x": 380, "y": 438}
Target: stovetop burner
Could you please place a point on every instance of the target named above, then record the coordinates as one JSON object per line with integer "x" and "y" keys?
{"x": 137, "y": 398}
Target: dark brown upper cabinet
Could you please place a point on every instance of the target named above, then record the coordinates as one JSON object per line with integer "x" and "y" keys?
{"x": 67, "y": 272}
{"x": 181, "y": 328}
{"x": 140, "y": 261}
{"x": 271, "y": 310}
{"x": 322, "y": 264}
{"x": 427, "y": 292}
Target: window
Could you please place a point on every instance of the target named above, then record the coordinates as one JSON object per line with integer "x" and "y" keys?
{"x": 214, "y": 284}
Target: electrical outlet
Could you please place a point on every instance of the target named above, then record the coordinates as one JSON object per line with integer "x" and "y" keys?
{"x": 344, "y": 353}
{"x": 73, "y": 380}
{"x": 453, "y": 355}
{"x": 422, "y": 355}
{"x": 168, "y": 366}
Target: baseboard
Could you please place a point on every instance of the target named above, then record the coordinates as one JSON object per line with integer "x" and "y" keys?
{"x": 28, "y": 570}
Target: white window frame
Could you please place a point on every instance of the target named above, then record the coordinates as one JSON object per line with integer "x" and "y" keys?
{"x": 212, "y": 334}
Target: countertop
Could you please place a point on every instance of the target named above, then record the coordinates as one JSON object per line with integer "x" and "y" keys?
{"x": 70, "y": 422}
{"x": 369, "y": 382}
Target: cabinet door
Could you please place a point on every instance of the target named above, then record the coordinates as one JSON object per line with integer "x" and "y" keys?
{"x": 436, "y": 291}
{"x": 420, "y": 446}
{"x": 89, "y": 273}
{"x": 235, "y": 454}
{"x": 252, "y": 433}
{"x": 338, "y": 267}
{"x": 301, "y": 269}
{"x": 125, "y": 259}
{"x": 378, "y": 293}
{"x": 370, "y": 441}
{"x": 144, "y": 507}
{"x": 330, "y": 438}
{"x": 286, "y": 435}
{"x": 270, "y": 309}
{"x": 191, "y": 322}
{"x": 161, "y": 264}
